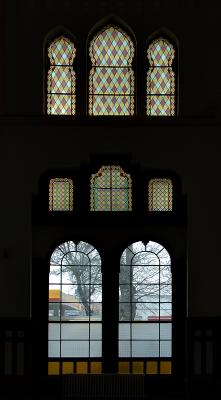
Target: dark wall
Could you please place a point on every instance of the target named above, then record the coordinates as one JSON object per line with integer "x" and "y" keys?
{"x": 32, "y": 143}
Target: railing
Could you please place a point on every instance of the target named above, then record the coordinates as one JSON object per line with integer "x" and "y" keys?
{"x": 203, "y": 348}
{"x": 103, "y": 386}
{"x": 203, "y": 355}
{"x": 15, "y": 345}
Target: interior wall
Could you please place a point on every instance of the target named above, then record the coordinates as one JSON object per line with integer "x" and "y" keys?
{"x": 32, "y": 144}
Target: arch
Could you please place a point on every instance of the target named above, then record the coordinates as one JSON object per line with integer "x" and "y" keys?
{"x": 145, "y": 302}
{"x": 161, "y": 75}
{"x": 61, "y": 79}
{"x": 160, "y": 194}
{"x": 111, "y": 189}
{"x": 75, "y": 302}
{"x": 111, "y": 78}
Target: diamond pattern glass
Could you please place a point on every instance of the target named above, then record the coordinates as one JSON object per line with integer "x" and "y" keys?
{"x": 61, "y": 77}
{"x": 60, "y": 194}
{"x": 160, "y": 195}
{"x": 160, "y": 79}
{"x": 111, "y": 80}
{"x": 111, "y": 190}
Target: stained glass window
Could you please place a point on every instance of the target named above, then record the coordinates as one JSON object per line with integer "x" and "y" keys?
{"x": 145, "y": 302}
{"x": 160, "y": 195}
{"x": 111, "y": 80}
{"x": 60, "y": 194}
{"x": 160, "y": 79}
{"x": 111, "y": 189}
{"x": 61, "y": 77}
{"x": 75, "y": 304}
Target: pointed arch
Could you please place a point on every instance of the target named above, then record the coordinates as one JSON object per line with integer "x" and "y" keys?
{"x": 162, "y": 74}
{"x": 60, "y": 76}
{"x": 111, "y": 77}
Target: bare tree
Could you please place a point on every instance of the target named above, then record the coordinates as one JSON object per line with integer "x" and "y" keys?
{"x": 144, "y": 281}
{"x": 80, "y": 264}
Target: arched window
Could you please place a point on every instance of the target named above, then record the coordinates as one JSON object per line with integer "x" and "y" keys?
{"x": 160, "y": 78}
{"x": 111, "y": 189}
{"x": 145, "y": 306}
{"x": 111, "y": 80}
{"x": 61, "y": 77}
{"x": 160, "y": 195}
{"x": 75, "y": 303}
{"x": 60, "y": 194}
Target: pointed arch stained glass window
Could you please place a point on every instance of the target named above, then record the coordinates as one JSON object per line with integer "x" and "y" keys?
{"x": 160, "y": 79}
{"x": 60, "y": 194}
{"x": 111, "y": 80}
{"x": 61, "y": 77}
{"x": 160, "y": 195}
{"x": 111, "y": 190}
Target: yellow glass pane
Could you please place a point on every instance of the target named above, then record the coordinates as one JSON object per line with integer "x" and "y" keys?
{"x": 137, "y": 367}
{"x": 123, "y": 367}
{"x": 96, "y": 367}
{"x": 53, "y": 368}
{"x": 151, "y": 368}
{"x": 67, "y": 368}
{"x": 82, "y": 367}
{"x": 166, "y": 367}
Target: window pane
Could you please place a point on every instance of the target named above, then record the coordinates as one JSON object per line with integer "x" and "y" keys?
{"x": 160, "y": 195}
{"x": 95, "y": 348}
{"x": 61, "y": 77}
{"x": 75, "y": 331}
{"x": 73, "y": 302}
{"x": 60, "y": 194}
{"x": 124, "y": 348}
{"x": 111, "y": 80}
{"x": 145, "y": 348}
{"x": 111, "y": 190}
{"x": 95, "y": 331}
{"x": 165, "y": 331}
{"x": 54, "y": 349}
{"x": 53, "y": 331}
{"x": 160, "y": 79}
{"x": 74, "y": 348}
{"x": 165, "y": 348}
{"x": 145, "y": 331}
{"x": 124, "y": 331}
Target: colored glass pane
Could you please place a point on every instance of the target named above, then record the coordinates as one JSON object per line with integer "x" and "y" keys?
{"x": 160, "y": 195}
{"x": 60, "y": 194}
{"x": 160, "y": 79}
{"x": 61, "y": 77}
{"x": 111, "y": 80}
{"x": 111, "y": 190}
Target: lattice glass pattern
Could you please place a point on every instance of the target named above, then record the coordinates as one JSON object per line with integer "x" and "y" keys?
{"x": 160, "y": 79}
{"x": 160, "y": 195}
{"x": 60, "y": 194}
{"x": 145, "y": 301}
{"x": 111, "y": 189}
{"x": 61, "y": 79}
{"x": 111, "y": 79}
